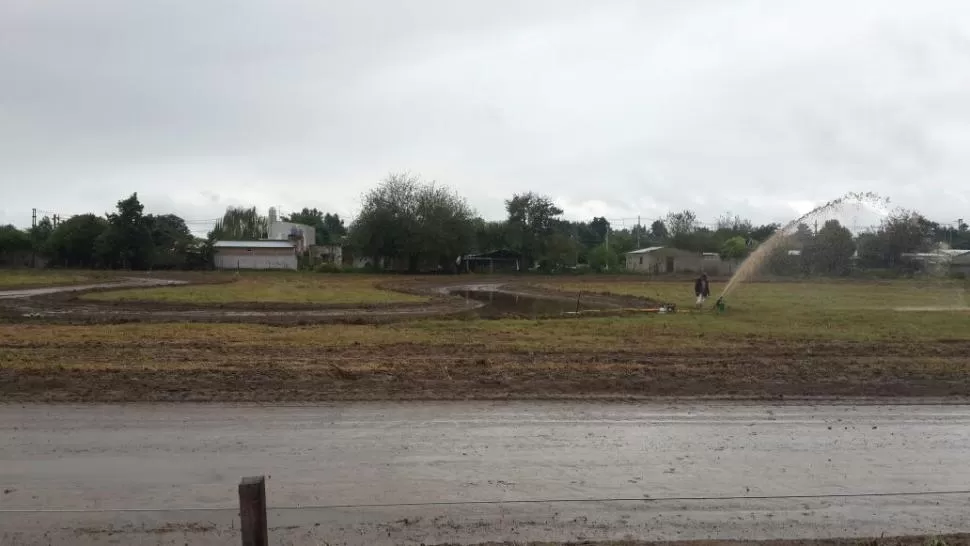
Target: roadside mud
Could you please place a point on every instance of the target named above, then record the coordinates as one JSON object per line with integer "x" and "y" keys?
{"x": 448, "y": 297}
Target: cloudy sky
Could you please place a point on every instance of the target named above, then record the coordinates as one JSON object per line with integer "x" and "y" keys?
{"x": 612, "y": 108}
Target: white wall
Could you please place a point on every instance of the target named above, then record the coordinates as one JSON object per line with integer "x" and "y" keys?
{"x": 254, "y": 261}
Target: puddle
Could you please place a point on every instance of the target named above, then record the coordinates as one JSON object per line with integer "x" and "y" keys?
{"x": 502, "y": 304}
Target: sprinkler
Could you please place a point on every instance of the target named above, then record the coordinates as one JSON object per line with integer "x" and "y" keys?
{"x": 719, "y": 304}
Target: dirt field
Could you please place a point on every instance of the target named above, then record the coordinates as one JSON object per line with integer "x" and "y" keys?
{"x": 775, "y": 340}
{"x": 12, "y": 279}
{"x": 950, "y": 540}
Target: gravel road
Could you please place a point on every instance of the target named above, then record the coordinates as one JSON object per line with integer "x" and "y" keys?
{"x": 167, "y": 474}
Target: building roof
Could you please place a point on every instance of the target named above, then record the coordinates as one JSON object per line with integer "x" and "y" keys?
{"x": 647, "y": 250}
{"x": 253, "y": 244}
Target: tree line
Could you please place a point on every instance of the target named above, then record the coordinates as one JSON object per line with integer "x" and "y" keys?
{"x": 408, "y": 224}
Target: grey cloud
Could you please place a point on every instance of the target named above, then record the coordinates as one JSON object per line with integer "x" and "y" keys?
{"x": 616, "y": 108}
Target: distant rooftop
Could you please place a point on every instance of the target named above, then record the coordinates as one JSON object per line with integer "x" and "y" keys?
{"x": 253, "y": 244}
{"x": 645, "y": 250}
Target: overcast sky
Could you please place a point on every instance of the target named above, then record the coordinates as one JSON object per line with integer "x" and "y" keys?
{"x": 612, "y": 108}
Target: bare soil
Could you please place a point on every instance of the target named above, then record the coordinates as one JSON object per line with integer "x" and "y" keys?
{"x": 947, "y": 540}
{"x": 140, "y": 369}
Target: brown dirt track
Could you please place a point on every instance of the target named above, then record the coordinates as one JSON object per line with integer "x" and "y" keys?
{"x": 79, "y": 351}
{"x": 143, "y": 369}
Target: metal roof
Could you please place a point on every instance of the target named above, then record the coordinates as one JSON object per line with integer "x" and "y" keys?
{"x": 645, "y": 250}
{"x": 253, "y": 244}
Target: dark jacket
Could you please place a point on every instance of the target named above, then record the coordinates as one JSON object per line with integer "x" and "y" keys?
{"x": 702, "y": 287}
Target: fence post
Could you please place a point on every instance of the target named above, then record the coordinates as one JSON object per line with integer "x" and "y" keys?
{"x": 252, "y": 511}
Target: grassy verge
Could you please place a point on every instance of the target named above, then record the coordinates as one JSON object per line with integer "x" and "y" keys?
{"x": 14, "y": 279}
{"x": 267, "y": 288}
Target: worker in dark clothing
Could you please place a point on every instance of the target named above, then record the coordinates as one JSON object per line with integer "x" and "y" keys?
{"x": 702, "y": 289}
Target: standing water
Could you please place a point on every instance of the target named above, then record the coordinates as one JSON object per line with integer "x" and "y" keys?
{"x": 757, "y": 258}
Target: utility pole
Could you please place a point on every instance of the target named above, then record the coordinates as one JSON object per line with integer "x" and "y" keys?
{"x": 639, "y": 229}
{"x": 816, "y": 226}
{"x": 33, "y": 218}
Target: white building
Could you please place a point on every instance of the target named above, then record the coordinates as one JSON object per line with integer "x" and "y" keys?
{"x": 302, "y": 235}
{"x": 254, "y": 255}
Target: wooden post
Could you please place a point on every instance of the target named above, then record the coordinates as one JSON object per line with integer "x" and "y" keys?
{"x": 252, "y": 511}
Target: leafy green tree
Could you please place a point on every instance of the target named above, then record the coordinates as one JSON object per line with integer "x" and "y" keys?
{"x": 490, "y": 236}
{"x": 764, "y": 232}
{"x": 329, "y": 228}
{"x": 12, "y": 240}
{"x": 735, "y": 248}
{"x": 830, "y": 252}
{"x": 444, "y": 228}
{"x": 413, "y": 224}
{"x": 15, "y": 246}
{"x": 127, "y": 242}
{"x": 40, "y": 234}
{"x": 240, "y": 224}
{"x": 74, "y": 242}
{"x": 172, "y": 240}
{"x": 530, "y": 218}
{"x": 681, "y": 223}
{"x": 559, "y": 250}
{"x": 600, "y": 226}
{"x": 658, "y": 230}
{"x": 603, "y": 258}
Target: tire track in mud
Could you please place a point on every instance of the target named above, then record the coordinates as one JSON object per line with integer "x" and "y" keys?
{"x": 62, "y": 305}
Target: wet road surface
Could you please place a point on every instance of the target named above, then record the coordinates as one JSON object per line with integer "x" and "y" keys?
{"x": 471, "y": 472}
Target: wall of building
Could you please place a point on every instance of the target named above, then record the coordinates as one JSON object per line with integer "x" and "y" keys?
{"x": 280, "y": 231}
{"x": 656, "y": 262}
{"x": 257, "y": 258}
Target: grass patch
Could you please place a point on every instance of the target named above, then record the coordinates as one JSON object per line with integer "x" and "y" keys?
{"x": 14, "y": 279}
{"x": 269, "y": 288}
{"x": 809, "y": 310}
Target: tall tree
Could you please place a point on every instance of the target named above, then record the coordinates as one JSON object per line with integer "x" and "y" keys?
{"x": 240, "y": 224}
{"x": 600, "y": 226}
{"x": 413, "y": 224}
{"x": 127, "y": 242}
{"x": 172, "y": 240}
{"x": 74, "y": 243}
{"x": 734, "y": 224}
{"x": 830, "y": 252}
{"x": 15, "y": 246}
{"x": 530, "y": 219}
{"x": 336, "y": 230}
{"x": 681, "y": 223}
{"x": 658, "y": 230}
{"x": 40, "y": 233}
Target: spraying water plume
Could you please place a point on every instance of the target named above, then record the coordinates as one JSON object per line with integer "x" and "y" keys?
{"x": 757, "y": 258}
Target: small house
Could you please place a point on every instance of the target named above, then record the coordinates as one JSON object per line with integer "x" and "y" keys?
{"x": 660, "y": 259}
{"x": 254, "y": 255}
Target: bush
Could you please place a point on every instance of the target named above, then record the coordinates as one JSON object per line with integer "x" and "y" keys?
{"x": 958, "y": 275}
{"x": 327, "y": 268}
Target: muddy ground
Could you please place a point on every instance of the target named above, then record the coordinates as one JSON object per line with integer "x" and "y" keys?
{"x": 143, "y": 369}
{"x": 432, "y": 361}
{"x": 451, "y": 296}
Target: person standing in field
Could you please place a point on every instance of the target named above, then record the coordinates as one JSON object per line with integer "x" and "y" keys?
{"x": 702, "y": 289}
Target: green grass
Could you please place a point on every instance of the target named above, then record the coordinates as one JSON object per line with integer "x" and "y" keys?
{"x": 13, "y": 279}
{"x": 804, "y": 310}
{"x": 269, "y": 288}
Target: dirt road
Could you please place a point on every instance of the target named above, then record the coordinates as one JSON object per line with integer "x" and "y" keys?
{"x": 504, "y": 471}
